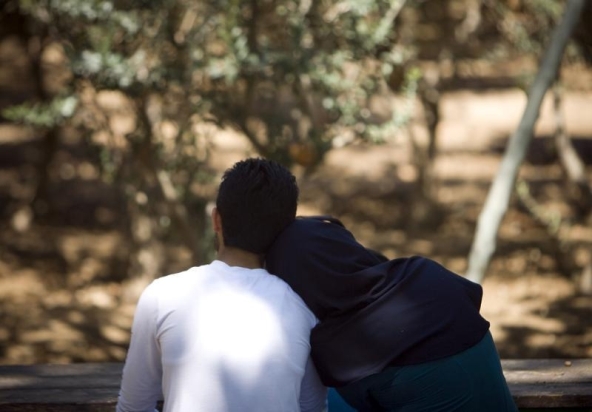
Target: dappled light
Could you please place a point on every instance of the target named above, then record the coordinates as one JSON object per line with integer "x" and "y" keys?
{"x": 108, "y": 176}
{"x": 62, "y": 297}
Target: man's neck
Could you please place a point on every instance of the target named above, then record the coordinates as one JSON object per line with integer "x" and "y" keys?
{"x": 241, "y": 258}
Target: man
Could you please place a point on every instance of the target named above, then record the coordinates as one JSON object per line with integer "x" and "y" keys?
{"x": 228, "y": 336}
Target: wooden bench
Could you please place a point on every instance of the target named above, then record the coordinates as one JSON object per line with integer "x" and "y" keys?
{"x": 93, "y": 387}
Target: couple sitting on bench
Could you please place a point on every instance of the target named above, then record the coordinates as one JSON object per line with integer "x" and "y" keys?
{"x": 294, "y": 305}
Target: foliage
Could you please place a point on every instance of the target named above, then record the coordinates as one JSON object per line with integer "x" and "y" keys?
{"x": 43, "y": 114}
{"x": 152, "y": 81}
{"x": 289, "y": 75}
{"x": 524, "y": 26}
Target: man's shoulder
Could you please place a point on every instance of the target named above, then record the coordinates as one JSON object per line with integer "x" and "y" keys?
{"x": 280, "y": 285}
{"x": 290, "y": 297}
{"x": 180, "y": 278}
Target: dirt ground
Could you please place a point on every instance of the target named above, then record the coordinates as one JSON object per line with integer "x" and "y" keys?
{"x": 63, "y": 293}
{"x": 58, "y": 302}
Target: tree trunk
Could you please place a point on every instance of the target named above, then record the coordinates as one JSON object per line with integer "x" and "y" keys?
{"x": 579, "y": 188}
{"x": 429, "y": 95}
{"x": 41, "y": 199}
{"x": 585, "y": 283}
{"x": 498, "y": 197}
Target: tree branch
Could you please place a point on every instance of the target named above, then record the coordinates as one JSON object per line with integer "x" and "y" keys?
{"x": 498, "y": 197}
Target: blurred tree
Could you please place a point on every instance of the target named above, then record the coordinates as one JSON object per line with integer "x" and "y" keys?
{"x": 293, "y": 77}
{"x": 498, "y": 197}
{"x": 35, "y": 43}
{"x": 451, "y": 42}
{"x": 478, "y": 44}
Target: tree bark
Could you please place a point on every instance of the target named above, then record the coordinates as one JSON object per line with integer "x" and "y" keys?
{"x": 498, "y": 197}
{"x": 575, "y": 169}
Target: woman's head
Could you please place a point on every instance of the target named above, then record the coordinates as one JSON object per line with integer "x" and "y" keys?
{"x": 322, "y": 261}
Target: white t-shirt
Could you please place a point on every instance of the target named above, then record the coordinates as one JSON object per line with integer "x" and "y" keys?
{"x": 221, "y": 338}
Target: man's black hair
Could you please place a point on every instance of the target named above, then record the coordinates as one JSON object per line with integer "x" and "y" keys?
{"x": 256, "y": 200}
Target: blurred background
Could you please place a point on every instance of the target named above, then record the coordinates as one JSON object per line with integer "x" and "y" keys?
{"x": 117, "y": 118}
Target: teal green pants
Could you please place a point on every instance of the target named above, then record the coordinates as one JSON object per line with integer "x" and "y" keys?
{"x": 470, "y": 381}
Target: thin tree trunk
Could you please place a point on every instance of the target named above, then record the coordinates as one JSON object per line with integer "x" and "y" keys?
{"x": 585, "y": 283}
{"x": 180, "y": 215}
{"x": 471, "y": 22}
{"x": 575, "y": 169}
{"x": 429, "y": 95}
{"x": 498, "y": 197}
{"x": 41, "y": 198}
{"x": 570, "y": 160}
{"x": 176, "y": 208}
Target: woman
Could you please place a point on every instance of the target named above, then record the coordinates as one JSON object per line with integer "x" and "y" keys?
{"x": 394, "y": 335}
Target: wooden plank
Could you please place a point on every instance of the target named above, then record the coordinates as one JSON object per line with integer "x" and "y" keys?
{"x": 82, "y": 375}
{"x": 93, "y": 387}
{"x": 85, "y": 387}
{"x": 550, "y": 383}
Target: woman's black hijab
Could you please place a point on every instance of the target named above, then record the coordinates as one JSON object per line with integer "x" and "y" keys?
{"x": 322, "y": 262}
{"x": 373, "y": 312}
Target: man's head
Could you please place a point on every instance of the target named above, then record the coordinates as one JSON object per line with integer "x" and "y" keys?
{"x": 256, "y": 200}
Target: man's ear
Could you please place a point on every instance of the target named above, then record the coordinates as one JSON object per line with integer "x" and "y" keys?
{"x": 216, "y": 221}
